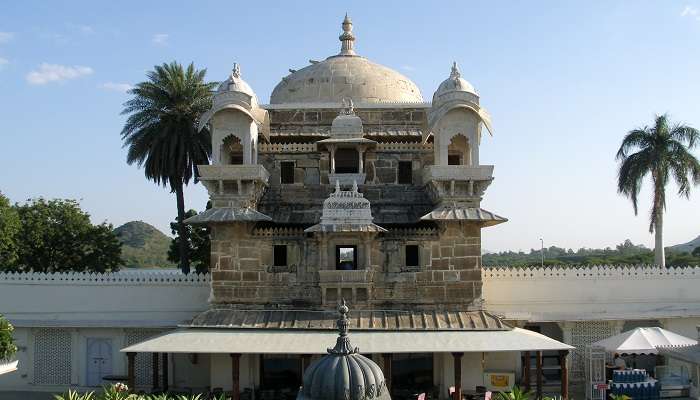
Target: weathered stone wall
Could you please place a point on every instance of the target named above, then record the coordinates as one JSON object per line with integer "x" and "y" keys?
{"x": 448, "y": 276}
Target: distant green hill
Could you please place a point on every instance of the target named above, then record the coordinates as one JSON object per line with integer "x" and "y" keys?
{"x": 686, "y": 247}
{"x": 143, "y": 246}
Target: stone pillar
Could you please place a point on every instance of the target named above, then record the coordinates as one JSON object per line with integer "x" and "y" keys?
{"x": 368, "y": 251}
{"x": 156, "y": 384}
{"x": 331, "y": 149}
{"x": 360, "y": 164}
{"x": 458, "y": 375}
{"x": 539, "y": 375}
{"x": 563, "y": 359}
{"x": 165, "y": 371}
{"x": 131, "y": 372}
{"x": 235, "y": 376}
{"x": 386, "y": 360}
{"x": 526, "y": 371}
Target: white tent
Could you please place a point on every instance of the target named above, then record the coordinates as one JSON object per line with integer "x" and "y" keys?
{"x": 643, "y": 341}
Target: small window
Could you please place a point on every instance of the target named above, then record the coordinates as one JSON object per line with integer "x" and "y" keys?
{"x": 287, "y": 172}
{"x": 454, "y": 159}
{"x": 412, "y": 256}
{"x": 405, "y": 172}
{"x": 346, "y": 257}
{"x": 280, "y": 255}
{"x": 347, "y": 161}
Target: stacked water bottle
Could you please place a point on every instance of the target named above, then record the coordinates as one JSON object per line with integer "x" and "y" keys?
{"x": 635, "y": 383}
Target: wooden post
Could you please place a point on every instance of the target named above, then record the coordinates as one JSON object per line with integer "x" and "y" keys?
{"x": 235, "y": 376}
{"x": 164, "y": 356}
{"x": 526, "y": 371}
{"x": 564, "y": 374}
{"x": 458, "y": 375}
{"x": 156, "y": 384}
{"x": 131, "y": 372}
{"x": 539, "y": 375}
{"x": 387, "y": 360}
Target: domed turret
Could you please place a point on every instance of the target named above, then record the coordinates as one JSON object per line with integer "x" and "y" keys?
{"x": 455, "y": 86}
{"x": 344, "y": 374}
{"x": 235, "y": 83}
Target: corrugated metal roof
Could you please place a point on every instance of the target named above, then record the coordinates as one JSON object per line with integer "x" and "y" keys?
{"x": 359, "y": 320}
{"x": 453, "y": 212}
{"x": 346, "y": 228}
{"x": 219, "y": 215}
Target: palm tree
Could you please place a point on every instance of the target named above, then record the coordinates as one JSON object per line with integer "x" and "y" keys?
{"x": 661, "y": 151}
{"x": 161, "y": 131}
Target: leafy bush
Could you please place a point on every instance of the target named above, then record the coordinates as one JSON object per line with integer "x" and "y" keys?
{"x": 7, "y": 343}
{"x": 120, "y": 391}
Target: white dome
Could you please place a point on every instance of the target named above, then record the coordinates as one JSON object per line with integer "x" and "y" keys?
{"x": 345, "y": 75}
{"x": 455, "y": 83}
{"x": 235, "y": 83}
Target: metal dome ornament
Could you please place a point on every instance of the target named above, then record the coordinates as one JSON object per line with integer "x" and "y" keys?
{"x": 343, "y": 373}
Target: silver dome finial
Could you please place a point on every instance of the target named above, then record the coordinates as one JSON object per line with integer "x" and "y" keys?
{"x": 342, "y": 344}
{"x": 347, "y": 38}
{"x": 455, "y": 71}
{"x": 236, "y": 71}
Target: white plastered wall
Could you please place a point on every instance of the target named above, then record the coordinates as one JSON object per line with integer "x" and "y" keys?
{"x": 236, "y": 123}
{"x": 458, "y": 121}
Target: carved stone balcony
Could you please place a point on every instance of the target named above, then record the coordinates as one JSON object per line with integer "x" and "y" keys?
{"x": 457, "y": 183}
{"x": 234, "y": 185}
{"x": 354, "y": 286}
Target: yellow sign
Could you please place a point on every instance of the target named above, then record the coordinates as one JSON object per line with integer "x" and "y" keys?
{"x": 499, "y": 380}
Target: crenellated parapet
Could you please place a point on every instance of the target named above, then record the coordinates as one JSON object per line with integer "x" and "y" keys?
{"x": 140, "y": 277}
{"x": 624, "y": 272}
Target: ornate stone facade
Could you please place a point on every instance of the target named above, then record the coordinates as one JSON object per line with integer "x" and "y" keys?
{"x": 347, "y": 186}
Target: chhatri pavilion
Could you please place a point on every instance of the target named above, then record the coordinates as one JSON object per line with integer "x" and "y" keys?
{"x": 348, "y": 186}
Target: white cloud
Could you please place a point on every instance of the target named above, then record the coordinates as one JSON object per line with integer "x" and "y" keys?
{"x": 160, "y": 39}
{"x": 6, "y": 36}
{"x": 692, "y": 12}
{"x": 116, "y": 87}
{"x": 56, "y": 73}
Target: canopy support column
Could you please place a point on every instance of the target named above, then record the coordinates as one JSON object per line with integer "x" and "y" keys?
{"x": 539, "y": 374}
{"x": 235, "y": 376}
{"x": 563, "y": 359}
{"x": 458, "y": 375}
{"x": 387, "y": 359}
{"x": 131, "y": 371}
{"x": 526, "y": 371}
{"x": 164, "y": 357}
{"x": 156, "y": 384}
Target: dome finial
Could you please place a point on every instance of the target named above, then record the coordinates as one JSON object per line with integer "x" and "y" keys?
{"x": 455, "y": 71}
{"x": 347, "y": 38}
{"x": 342, "y": 344}
{"x": 236, "y": 71}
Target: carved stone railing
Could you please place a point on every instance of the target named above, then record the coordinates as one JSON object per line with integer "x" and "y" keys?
{"x": 346, "y": 180}
{"x": 233, "y": 172}
{"x": 590, "y": 272}
{"x": 404, "y": 146}
{"x": 457, "y": 173}
{"x": 340, "y": 276}
{"x": 140, "y": 277}
{"x": 287, "y": 148}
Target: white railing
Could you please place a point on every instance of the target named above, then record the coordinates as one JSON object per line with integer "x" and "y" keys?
{"x": 133, "y": 277}
{"x": 591, "y": 272}
{"x": 287, "y": 147}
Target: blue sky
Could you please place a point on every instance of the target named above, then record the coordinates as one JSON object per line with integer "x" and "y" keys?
{"x": 563, "y": 82}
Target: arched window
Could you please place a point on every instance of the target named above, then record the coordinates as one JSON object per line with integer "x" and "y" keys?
{"x": 232, "y": 151}
{"x": 458, "y": 151}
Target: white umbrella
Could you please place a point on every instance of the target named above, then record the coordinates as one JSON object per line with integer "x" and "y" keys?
{"x": 643, "y": 341}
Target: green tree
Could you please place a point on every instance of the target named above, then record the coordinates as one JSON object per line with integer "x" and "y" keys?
{"x": 660, "y": 151}
{"x": 9, "y": 226}
{"x": 198, "y": 244}
{"x": 162, "y": 134}
{"x": 56, "y": 235}
{"x": 696, "y": 252}
{"x": 8, "y": 349}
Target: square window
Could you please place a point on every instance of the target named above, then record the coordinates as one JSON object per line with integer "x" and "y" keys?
{"x": 412, "y": 255}
{"x": 280, "y": 255}
{"x": 346, "y": 257}
{"x": 405, "y": 172}
{"x": 454, "y": 159}
{"x": 287, "y": 172}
